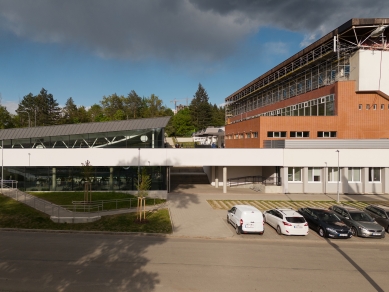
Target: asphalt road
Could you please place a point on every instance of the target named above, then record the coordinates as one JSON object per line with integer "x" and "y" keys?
{"x": 33, "y": 261}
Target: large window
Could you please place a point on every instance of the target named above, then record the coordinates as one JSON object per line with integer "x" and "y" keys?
{"x": 374, "y": 174}
{"x": 326, "y": 134}
{"x": 314, "y": 174}
{"x": 333, "y": 174}
{"x": 276, "y": 134}
{"x": 298, "y": 134}
{"x": 354, "y": 174}
{"x": 294, "y": 174}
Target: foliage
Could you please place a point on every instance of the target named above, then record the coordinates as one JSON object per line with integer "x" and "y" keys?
{"x": 143, "y": 183}
{"x": 200, "y": 109}
{"x": 6, "y": 120}
{"x": 87, "y": 170}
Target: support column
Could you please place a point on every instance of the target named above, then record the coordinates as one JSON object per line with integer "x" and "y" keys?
{"x": 364, "y": 179}
{"x": 284, "y": 180}
{"x": 305, "y": 179}
{"x": 224, "y": 180}
{"x": 111, "y": 178}
{"x": 216, "y": 176}
{"x": 54, "y": 179}
{"x": 344, "y": 180}
{"x": 152, "y": 139}
{"x": 385, "y": 180}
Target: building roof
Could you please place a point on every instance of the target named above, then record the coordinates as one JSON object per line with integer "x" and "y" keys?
{"x": 345, "y": 31}
{"x": 74, "y": 129}
{"x": 325, "y": 143}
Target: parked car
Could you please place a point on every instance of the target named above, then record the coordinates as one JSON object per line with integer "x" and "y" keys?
{"x": 361, "y": 223}
{"x": 246, "y": 219}
{"x": 380, "y": 213}
{"x": 286, "y": 221}
{"x": 325, "y": 222}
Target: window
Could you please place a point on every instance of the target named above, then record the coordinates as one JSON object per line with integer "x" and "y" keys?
{"x": 294, "y": 134}
{"x": 240, "y": 136}
{"x": 374, "y": 106}
{"x": 333, "y": 175}
{"x": 326, "y": 134}
{"x": 248, "y": 136}
{"x": 374, "y": 174}
{"x": 354, "y": 174}
{"x": 360, "y": 107}
{"x": 294, "y": 174}
{"x": 314, "y": 174}
{"x": 276, "y": 134}
{"x": 382, "y": 106}
{"x": 254, "y": 134}
{"x": 236, "y": 136}
{"x": 368, "y": 106}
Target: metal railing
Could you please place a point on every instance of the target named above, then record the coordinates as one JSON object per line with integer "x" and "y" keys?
{"x": 115, "y": 204}
{"x": 9, "y": 184}
{"x": 245, "y": 180}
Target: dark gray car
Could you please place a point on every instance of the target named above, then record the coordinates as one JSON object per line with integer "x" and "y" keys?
{"x": 380, "y": 213}
{"x": 361, "y": 223}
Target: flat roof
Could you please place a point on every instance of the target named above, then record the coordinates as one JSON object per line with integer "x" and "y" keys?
{"x": 85, "y": 128}
{"x": 344, "y": 29}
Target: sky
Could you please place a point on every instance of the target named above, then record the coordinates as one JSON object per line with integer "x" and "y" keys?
{"x": 87, "y": 49}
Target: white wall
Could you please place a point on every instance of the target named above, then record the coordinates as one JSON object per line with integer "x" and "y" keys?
{"x": 370, "y": 70}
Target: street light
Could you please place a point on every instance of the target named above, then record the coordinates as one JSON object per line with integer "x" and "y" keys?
{"x": 337, "y": 188}
{"x": 29, "y": 155}
{"x": 138, "y": 168}
{"x": 29, "y": 121}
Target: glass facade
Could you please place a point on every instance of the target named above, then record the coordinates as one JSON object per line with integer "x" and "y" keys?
{"x": 145, "y": 138}
{"x": 71, "y": 178}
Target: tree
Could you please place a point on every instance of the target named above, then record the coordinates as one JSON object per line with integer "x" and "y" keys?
{"x": 87, "y": 171}
{"x": 182, "y": 123}
{"x": 200, "y": 108}
{"x": 143, "y": 184}
{"x": 153, "y": 107}
{"x": 218, "y": 116}
{"x": 96, "y": 114}
{"x": 6, "y": 120}
{"x": 69, "y": 112}
{"x": 133, "y": 105}
{"x": 111, "y": 104}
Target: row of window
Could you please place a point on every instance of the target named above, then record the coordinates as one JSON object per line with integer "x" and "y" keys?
{"x": 322, "y": 106}
{"x": 372, "y": 106}
{"x": 242, "y": 136}
{"x": 315, "y": 174}
{"x": 301, "y": 134}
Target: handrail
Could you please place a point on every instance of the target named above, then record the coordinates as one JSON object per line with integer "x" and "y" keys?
{"x": 115, "y": 201}
{"x": 244, "y": 180}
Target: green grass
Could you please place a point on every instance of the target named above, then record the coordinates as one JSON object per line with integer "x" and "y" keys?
{"x": 66, "y": 198}
{"x": 14, "y": 214}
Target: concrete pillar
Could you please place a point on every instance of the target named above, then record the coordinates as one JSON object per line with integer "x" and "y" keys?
{"x": 54, "y": 179}
{"x": 216, "y": 176}
{"x": 385, "y": 180}
{"x": 305, "y": 179}
{"x": 152, "y": 139}
{"x": 111, "y": 178}
{"x": 284, "y": 180}
{"x": 364, "y": 179}
{"x": 224, "y": 180}
{"x": 325, "y": 179}
{"x": 344, "y": 180}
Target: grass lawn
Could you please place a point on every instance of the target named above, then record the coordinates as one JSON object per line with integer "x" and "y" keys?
{"x": 14, "y": 214}
{"x": 66, "y": 198}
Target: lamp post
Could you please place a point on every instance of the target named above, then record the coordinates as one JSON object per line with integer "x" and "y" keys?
{"x": 29, "y": 155}
{"x": 337, "y": 185}
{"x": 138, "y": 169}
{"x": 29, "y": 121}
{"x": 2, "y": 170}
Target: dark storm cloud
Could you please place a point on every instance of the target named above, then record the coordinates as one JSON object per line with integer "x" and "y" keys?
{"x": 171, "y": 29}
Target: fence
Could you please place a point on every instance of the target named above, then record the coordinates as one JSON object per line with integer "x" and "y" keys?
{"x": 116, "y": 204}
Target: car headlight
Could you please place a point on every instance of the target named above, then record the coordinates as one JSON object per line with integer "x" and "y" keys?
{"x": 331, "y": 230}
{"x": 364, "y": 230}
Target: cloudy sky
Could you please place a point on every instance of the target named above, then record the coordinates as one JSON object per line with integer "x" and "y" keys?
{"x": 86, "y": 49}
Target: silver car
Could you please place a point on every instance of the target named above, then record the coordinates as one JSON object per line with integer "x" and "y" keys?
{"x": 361, "y": 223}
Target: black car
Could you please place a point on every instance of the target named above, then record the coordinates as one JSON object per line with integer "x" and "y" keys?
{"x": 380, "y": 213}
{"x": 325, "y": 222}
{"x": 361, "y": 223}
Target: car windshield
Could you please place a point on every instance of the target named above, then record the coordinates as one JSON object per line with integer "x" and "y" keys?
{"x": 361, "y": 216}
{"x": 295, "y": 219}
{"x": 387, "y": 214}
{"x": 328, "y": 217}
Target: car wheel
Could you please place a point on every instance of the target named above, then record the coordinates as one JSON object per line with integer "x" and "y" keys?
{"x": 228, "y": 220}
{"x": 387, "y": 229}
{"x": 264, "y": 219}
{"x": 238, "y": 229}
{"x": 354, "y": 231}
{"x": 279, "y": 230}
{"x": 321, "y": 232}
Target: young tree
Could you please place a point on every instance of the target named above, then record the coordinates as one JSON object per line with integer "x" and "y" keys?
{"x": 143, "y": 184}
{"x": 69, "y": 112}
{"x": 111, "y": 104}
{"x": 182, "y": 123}
{"x": 87, "y": 172}
{"x": 133, "y": 105}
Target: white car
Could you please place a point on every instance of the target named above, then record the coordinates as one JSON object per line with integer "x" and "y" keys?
{"x": 286, "y": 221}
{"x": 246, "y": 219}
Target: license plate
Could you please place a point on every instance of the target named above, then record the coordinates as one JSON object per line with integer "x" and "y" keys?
{"x": 342, "y": 234}
{"x": 249, "y": 225}
{"x": 376, "y": 233}
{"x": 298, "y": 226}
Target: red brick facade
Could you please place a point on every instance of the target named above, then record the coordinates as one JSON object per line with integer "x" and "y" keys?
{"x": 349, "y": 122}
